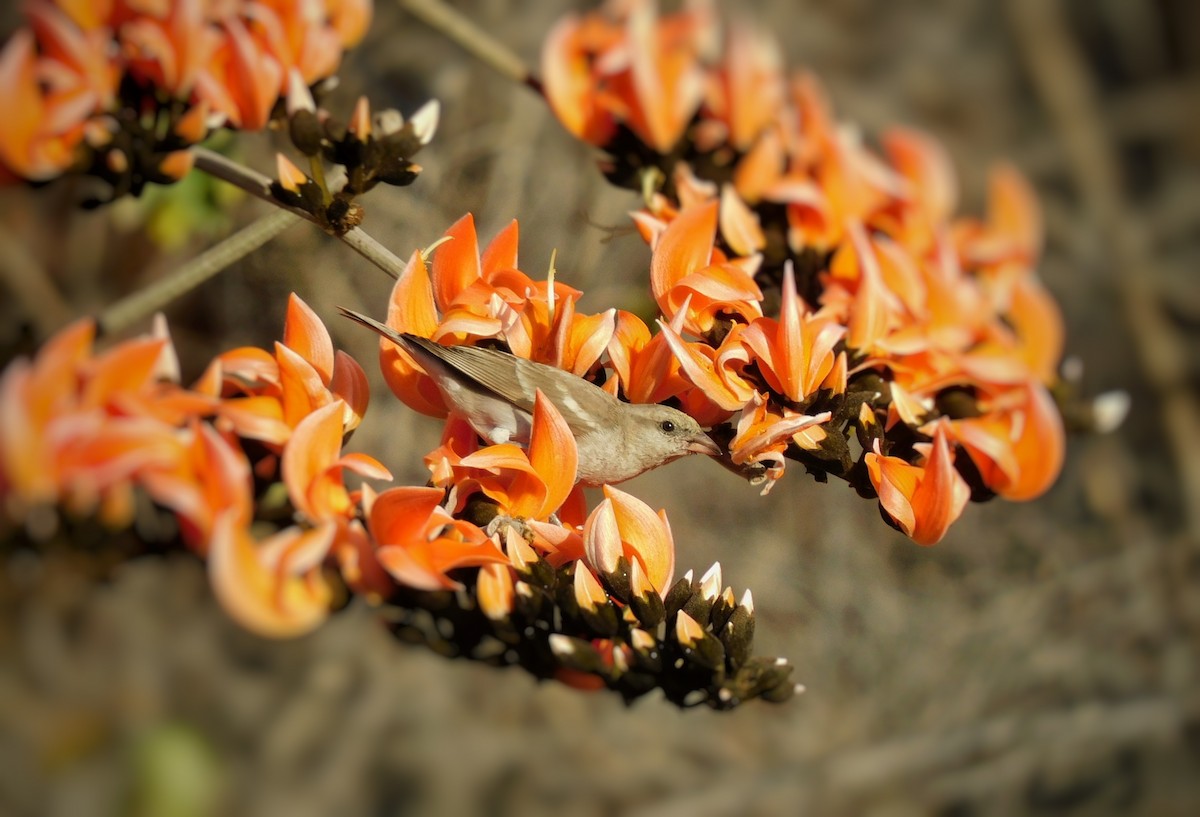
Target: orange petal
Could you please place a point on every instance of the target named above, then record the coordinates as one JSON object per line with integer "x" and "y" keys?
{"x": 1039, "y": 448}
{"x": 924, "y": 163}
{"x": 302, "y": 385}
{"x": 646, "y": 535}
{"x": 456, "y": 262}
{"x": 128, "y": 366}
{"x": 553, "y": 454}
{"x": 305, "y": 334}
{"x": 501, "y": 253}
{"x": 568, "y": 84}
{"x": 685, "y": 247}
{"x": 602, "y": 547}
{"x": 350, "y": 383}
{"x": 270, "y": 604}
{"x": 399, "y": 515}
{"x": 313, "y": 448}
{"x": 494, "y": 589}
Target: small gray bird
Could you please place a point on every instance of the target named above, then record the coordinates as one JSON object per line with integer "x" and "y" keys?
{"x": 495, "y": 391}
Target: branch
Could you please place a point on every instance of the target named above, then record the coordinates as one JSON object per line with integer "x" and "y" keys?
{"x": 145, "y": 302}
{"x": 257, "y": 184}
{"x": 31, "y": 285}
{"x": 472, "y": 39}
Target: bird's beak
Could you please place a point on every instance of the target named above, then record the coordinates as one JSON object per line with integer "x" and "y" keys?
{"x": 703, "y": 444}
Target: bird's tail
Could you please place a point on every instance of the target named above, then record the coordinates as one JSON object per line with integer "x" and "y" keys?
{"x": 382, "y": 329}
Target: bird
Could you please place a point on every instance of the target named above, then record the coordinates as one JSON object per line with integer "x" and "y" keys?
{"x": 494, "y": 391}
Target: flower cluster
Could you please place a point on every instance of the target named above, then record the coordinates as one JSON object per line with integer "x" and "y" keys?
{"x": 249, "y": 461}
{"x": 819, "y": 296}
{"x": 83, "y": 430}
{"x": 121, "y": 88}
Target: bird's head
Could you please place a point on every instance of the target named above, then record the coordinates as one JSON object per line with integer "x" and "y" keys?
{"x": 664, "y": 434}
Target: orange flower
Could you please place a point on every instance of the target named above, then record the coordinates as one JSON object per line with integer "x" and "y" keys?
{"x": 41, "y": 132}
{"x": 646, "y": 369}
{"x": 170, "y": 48}
{"x": 795, "y": 353}
{"x": 623, "y": 525}
{"x": 1017, "y": 444}
{"x": 626, "y": 65}
{"x": 717, "y": 373}
{"x": 764, "y": 433}
{"x": 472, "y": 294}
{"x": 417, "y": 540}
{"x": 303, "y": 375}
{"x": 312, "y": 466}
{"x": 746, "y": 91}
{"x": 275, "y": 587}
{"x": 526, "y": 484}
{"x": 923, "y": 500}
{"x": 686, "y": 270}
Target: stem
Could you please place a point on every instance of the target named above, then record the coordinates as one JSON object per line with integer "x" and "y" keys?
{"x": 257, "y": 184}
{"x": 136, "y": 307}
{"x": 472, "y": 39}
{"x": 31, "y": 285}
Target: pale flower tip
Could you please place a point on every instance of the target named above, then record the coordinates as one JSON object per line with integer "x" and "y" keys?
{"x": 494, "y": 590}
{"x": 602, "y": 539}
{"x": 524, "y": 590}
{"x": 727, "y": 597}
{"x": 425, "y": 121}
{"x": 167, "y": 368}
{"x": 689, "y": 577}
{"x": 748, "y": 601}
{"x": 710, "y": 582}
{"x": 641, "y": 640}
{"x": 781, "y": 662}
{"x": 290, "y": 176}
{"x": 800, "y": 689}
{"x": 589, "y": 595}
{"x": 1109, "y": 410}
{"x": 360, "y": 120}
{"x": 561, "y": 645}
{"x": 687, "y": 631}
{"x": 520, "y": 553}
{"x": 299, "y": 97}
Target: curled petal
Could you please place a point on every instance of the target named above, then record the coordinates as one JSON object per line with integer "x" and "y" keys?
{"x": 305, "y": 334}
{"x": 307, "y": 459}
{"x": 271, "y": 602}
{"x": 350, "y": 384}
{"x": 922, "y": 500}
{"x": 645, "y": 535}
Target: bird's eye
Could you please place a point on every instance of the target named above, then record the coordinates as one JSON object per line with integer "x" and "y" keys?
{"x": 667, "y": 426}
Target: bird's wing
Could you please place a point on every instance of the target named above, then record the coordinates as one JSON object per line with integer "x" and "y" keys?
{"x": 509, "y": 377}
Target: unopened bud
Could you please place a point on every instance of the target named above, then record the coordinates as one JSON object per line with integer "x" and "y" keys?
{"x": 360, "y": 120}
{"x": 644, "y": 600}
{"x": 576, "y": 654}
{"x": 738, "y": 633}
{"x": 699, "y": 647}
{"x": 710, "y": 582}
{"x": 291, "y": 178}
{"x": 425, "y": 121}
{"x": 678, "y": 595}
{"x": 494, "y": 589}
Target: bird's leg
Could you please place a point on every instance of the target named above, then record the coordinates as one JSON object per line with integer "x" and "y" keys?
{"x": 501, "y": 521}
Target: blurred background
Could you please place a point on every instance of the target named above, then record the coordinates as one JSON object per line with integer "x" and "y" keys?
{"x": 1043, "y": 659}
